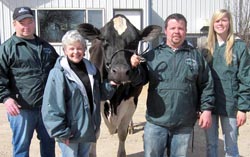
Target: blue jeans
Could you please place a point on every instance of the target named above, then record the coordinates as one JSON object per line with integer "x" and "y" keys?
{"x": 230, "y": 135}
{"x": 75, "y": 149}
{"x": 23, "y": 127}
{"x": 156, "y": 138}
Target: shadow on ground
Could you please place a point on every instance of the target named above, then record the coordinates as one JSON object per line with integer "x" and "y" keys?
{"x": 139, "y": 154}
{"x": 197, "y": 145}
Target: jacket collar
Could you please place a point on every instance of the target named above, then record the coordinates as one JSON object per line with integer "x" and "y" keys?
{"x": 70, "y": 74}
{"x": 19, "y": 40}
{"x": 185, "y": 45}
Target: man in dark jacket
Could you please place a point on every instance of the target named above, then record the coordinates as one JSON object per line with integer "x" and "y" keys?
{"x": 25, "y": 62}
{"x": 179, "y": 85}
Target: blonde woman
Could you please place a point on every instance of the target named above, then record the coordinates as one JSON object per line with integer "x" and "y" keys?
{"x": 229, "y": 61}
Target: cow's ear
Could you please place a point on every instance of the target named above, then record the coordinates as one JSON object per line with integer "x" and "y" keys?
{"x": 151, "y": 32}
{"x": 88, "y": 31}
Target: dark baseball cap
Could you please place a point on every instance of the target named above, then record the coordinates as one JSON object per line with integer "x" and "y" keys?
{"x": 22, "y": 13}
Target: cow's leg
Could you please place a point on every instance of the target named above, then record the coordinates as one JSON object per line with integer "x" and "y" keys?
{"x": 92, "y": 152}
{"x": 123, "y": 127}
{"x": 112, "y": 121}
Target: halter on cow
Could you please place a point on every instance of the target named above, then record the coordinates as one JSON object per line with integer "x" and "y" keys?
{"x": 111, "y": 50}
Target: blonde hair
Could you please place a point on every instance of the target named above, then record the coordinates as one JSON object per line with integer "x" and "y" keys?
{"x": 212, "y": 36}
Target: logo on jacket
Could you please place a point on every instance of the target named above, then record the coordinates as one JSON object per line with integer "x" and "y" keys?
{"x": 192, "y": 63}
{"x": 47, "y": 50}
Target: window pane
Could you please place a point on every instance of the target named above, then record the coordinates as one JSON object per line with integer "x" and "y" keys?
{"x": 53, "y": 24}
{"x": 95, "y": 18}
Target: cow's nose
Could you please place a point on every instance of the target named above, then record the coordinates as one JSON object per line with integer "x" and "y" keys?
{"x": 120, "y": 70}
{"x": 120, "y": 73}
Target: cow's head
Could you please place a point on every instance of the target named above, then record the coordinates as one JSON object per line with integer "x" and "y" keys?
{"x": 114, "y": 44}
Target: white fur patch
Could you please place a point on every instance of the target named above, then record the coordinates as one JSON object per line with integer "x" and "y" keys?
{"x": 124, "y": 115}
{"x": 120, "y": 24}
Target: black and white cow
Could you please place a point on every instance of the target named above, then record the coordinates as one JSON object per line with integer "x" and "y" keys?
{"x": 111, "y": 49}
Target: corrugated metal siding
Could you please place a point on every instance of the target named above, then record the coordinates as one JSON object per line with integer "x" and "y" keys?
{"x": 195, "y": 11}
{"x": 7, "y": 8}
{"x": 6, "y": 23}
{"x": 132, "y": 4}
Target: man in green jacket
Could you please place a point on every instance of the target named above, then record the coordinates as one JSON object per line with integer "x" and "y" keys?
{"x": 25, "y": 62}
{"x": 179, "y": 85}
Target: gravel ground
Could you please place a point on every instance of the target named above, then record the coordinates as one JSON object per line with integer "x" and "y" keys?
{"x": 107, "y": 145}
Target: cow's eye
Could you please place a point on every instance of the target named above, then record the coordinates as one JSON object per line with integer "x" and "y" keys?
{"x": 108, "y": 65}
{"x": 105, "y": 44}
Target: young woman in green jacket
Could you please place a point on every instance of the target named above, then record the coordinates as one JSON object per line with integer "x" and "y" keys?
{"x": 229, "y": 61}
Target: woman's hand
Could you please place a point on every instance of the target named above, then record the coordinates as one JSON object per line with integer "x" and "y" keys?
{"x": 241, "y": 118}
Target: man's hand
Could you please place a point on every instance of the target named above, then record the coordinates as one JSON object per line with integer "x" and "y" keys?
{"x": 241, "y": 118}
{"x": 12, "y": 107}
{"x": 135, "y": 60}
{"x": 205, "y": 120}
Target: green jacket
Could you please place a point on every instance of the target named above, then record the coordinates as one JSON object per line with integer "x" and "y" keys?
{"x": 180, "y": 84}
{"x": 24, "y": 69}
{"x": 232, "y": 83}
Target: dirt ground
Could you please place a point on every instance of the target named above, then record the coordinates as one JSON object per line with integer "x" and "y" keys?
{"x": 107, "y": 145}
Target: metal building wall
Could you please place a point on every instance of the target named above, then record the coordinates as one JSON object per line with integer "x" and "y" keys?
{"x": 7, "y": 7}
{"x": 197, "y": 12}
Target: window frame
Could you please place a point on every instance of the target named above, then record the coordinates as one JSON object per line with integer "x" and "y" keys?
{"x": 85, "y": 20}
